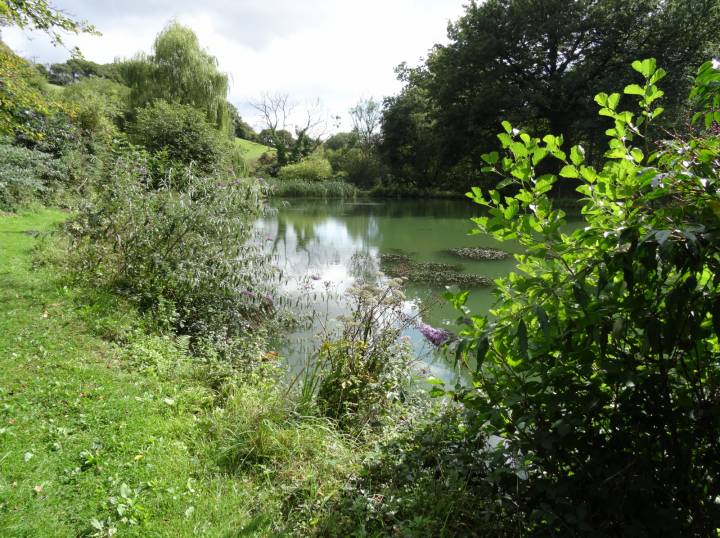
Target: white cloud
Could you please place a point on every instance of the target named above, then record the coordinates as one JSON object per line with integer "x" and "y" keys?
{"x": 338, "y": 51}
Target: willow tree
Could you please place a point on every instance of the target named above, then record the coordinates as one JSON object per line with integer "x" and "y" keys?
{"x": 179, "y": 71}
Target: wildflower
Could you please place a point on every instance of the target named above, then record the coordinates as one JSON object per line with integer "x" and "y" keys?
{"x": 248, "y": 293}
{"x": 436, "y": 337}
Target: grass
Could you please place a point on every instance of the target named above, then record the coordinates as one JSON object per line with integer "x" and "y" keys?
{"x": 252, "y": 151}
{"x": 106, "y": 427}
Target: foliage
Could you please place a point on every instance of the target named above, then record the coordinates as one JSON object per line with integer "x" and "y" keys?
{"x": 359, "y": 166}
{"x": 366, "y": 116}
{"x": 183, "y": 255}
{"x": 258, "y": 433}
{"x": 29, "y": 176}
{"x": 239, "y": 127}
{"x": 598, "y": 371}
{"x": 128, "y": 435}
{"x": 410, "y": 145}
{"x": 23, "y": 102}
{"x": 41, "y": 15}
{"x": 179, "y": 71}
{"x": 179, "y": 135}
{"x": 431, "y": 478}
{"x": 100, "y": 106}
{"x": 530, "y": 62}
{"x": 311, "y": 169}
{"x": 341, "y": 141}
{"x": 289, "y": 188}
{"x": 359, "y": 375}
{"x": 77, "y": 69}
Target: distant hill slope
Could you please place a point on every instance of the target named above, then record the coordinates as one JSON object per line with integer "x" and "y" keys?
{"x": 252, "y": 151}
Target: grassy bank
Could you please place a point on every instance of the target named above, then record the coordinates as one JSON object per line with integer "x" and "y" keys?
{"x": 108, "y": 427}
{"x": 252, "y": 151}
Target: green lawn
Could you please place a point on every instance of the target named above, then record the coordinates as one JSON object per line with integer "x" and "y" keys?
{"x": 108, "y": 428}
{"x": 95, "y": 435}
{"x": 252, "y": 151}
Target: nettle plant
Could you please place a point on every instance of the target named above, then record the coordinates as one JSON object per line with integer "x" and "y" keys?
{"x": 597, "y": 374}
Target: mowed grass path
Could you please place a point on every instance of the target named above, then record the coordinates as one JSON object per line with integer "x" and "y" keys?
{"x": 89, "y": 443}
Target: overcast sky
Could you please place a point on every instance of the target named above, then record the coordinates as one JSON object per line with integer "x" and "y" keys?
{"x": 335, "y": 50}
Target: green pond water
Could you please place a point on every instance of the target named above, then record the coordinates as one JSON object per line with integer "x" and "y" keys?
{"x": 322, "y": 247}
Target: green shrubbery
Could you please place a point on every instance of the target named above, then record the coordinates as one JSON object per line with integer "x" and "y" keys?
{"x": 28, "y": 175}
{"x": 311, "y": 169}
{"x": 599, "y": 372}
{"x": 180, "y": 136}
{"x": 289, "y": 188}
{"x": 100, "y": 106}
{"x": 362, "y": 373}
{"x": 183, "y": 254}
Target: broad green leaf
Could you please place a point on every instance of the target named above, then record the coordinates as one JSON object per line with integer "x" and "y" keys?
{"x": 569, "y": 171}
{"x": 634, "y": 89}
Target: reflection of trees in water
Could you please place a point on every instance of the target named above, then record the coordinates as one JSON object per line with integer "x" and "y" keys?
{"x": 364, "y": 267}
{"x": 414, "y": 208}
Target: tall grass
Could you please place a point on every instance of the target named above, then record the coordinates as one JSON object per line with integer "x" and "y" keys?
{"x": 301, "y": 188}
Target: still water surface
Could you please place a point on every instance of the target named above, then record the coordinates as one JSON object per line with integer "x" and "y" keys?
{"x": 323, "y": 247}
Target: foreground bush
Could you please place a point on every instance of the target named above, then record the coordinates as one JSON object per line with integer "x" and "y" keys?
{"x": 599, "y": 374}
{"x": 184, "y": 255}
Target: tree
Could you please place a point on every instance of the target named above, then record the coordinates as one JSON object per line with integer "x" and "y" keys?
{"x": 537, "y": 63}
{"x": 41, "y": 15}
{"x": 179, "y": 71}
{"x": 366, "y": 117}
{"x": 76, "y": 69}
{"x": 241, "y": 128}
{"x": 277, "y": 114}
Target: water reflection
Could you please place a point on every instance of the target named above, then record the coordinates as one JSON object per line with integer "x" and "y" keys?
{"x": 323, "y": 248}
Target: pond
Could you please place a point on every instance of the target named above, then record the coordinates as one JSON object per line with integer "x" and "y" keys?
{"x": 323, "y": 247}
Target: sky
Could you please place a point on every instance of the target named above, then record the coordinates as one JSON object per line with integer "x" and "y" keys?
{"x": 337, "y": 51}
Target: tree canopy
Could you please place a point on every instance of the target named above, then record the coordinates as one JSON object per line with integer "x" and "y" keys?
{"x": 537, "y": 63}
{"x": 179, "y": 71}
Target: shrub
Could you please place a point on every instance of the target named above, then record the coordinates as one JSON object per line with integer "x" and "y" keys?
{"x": 22, "y": 95}
{"x": 312, "y": 189}
{"x": 180, "y": 134}
{"x": 599, "y": 373}
{"x": 361, "y": 166}
{"x": 185, "y": 256}
{"x": 312, "y": 169}
{"x": 28, "y": 175}
{"x": 99, "y": 105}
{"x": 360, "y": 374}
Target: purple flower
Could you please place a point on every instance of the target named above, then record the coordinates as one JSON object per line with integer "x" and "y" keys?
{"x": 269, "y": 300}
{"x": 248, "y": 293}
{"x": 436, "y": 337}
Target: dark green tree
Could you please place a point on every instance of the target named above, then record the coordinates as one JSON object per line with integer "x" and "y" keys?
{"x": 538, "y": 63}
